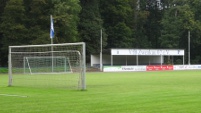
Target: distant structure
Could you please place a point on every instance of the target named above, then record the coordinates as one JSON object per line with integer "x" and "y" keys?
{"x": 126, "y": 57}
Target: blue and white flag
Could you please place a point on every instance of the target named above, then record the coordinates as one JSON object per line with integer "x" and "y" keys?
{"x": 51, "y": 27}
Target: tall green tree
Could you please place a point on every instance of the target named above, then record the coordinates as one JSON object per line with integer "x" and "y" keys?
{"x": 177, "y": 21}
{"x": 115, "y": 14}
{"x": 147, "y": 27}
{"x": 153, "y": 24}
{"x": 38, "y": 21}
{"x": 121, "y": 36}
{"x": 90, "y": 26}
{"x": 2, "y": 6}
{"x": 196, "y": 31}
{"x": 12, "y": 27}
{"x": 66, "y": 16}
{"x": 140, "y": 17}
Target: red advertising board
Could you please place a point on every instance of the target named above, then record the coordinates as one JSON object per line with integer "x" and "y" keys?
{"x": 159, "y": 67}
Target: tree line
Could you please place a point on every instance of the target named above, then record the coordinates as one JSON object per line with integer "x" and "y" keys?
{"x": 125, "y": 24}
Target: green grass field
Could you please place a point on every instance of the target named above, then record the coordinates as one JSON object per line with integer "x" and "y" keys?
{"x": 130, "y": 92}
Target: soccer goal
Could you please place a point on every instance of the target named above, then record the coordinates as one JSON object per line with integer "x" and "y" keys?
{"x": 49, "y": 65}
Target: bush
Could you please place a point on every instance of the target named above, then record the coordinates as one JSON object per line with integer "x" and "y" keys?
{"x": 3, "y": 70}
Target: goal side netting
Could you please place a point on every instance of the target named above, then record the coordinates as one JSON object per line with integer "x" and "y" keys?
{"x": 49, "y": 65}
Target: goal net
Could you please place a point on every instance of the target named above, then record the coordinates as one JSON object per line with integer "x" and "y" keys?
{"x": 49, "y": 65}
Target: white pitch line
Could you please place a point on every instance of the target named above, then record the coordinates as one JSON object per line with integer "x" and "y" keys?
{"x": 10, "y": 95}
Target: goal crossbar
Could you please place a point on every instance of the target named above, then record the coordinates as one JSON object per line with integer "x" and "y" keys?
{"x": 48, "y": 45}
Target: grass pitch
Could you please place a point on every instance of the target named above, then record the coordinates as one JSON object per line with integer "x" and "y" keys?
{"x": 130, "y": 92}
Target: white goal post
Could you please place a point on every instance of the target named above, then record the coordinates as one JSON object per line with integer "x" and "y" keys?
{"x": 58, "y": 65}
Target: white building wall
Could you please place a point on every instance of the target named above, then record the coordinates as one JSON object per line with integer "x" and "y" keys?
{"x": 95, "y": 60}
{"x": 126, "y": 60}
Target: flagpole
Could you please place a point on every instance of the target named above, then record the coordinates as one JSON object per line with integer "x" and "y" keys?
{"x": 189, "y": 50}
{"x": 52, "y": 55}
{"x": 51, "y": 37}
{"x": 101, "y": 59}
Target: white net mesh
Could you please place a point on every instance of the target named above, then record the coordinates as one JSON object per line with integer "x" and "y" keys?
{"x": 48, "y": 64}
{"x": 59, "y": 65}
